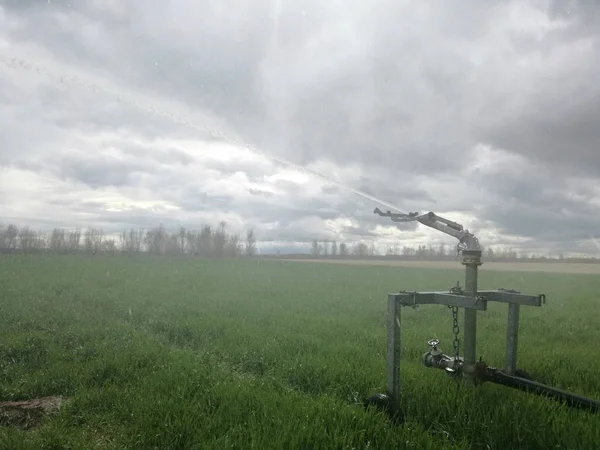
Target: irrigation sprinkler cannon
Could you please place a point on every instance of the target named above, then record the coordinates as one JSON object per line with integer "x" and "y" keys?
{"x": 465, "y": 368}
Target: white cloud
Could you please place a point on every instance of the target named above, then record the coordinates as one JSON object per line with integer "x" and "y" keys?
{"x": 127, "y": 115}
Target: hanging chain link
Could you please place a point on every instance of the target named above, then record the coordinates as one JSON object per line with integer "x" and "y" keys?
{"x": 455, "y": 331}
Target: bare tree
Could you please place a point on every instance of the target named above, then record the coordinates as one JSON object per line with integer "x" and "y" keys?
{"x": 137, "y": 238}
{"x": 361, "y": 250}
{"x": 98, "y": 240}
{"x": 10, "y": 237}
{"x": 58, "y": 242}
{"x": 343, "y": 249}
{"x": 130, "y": 240}
{"x": 431, "y": 251}
{"x": 393, "y": 250}
{"x": 316, "y": 248}
{"x": 205, "y": 241}
{"x": 232, "y": 248}
{"x": 73, "y": 240}
{"x": 334, "y": 249}
{"x": 191, "y": 242}
{"x": 124, "y": 242}
{"x": 172, "y": 247}
{"x": 219, "y": 240}
{"x": 92, "y": 240}
{"x": 27, "y": 239}
{"x": 156, "y": 240}
{"x": 250, "y": 243}
{"x": 109, "y": 246}
{"x": 407, "y": 251}
{"x": 40, "y": 241}
{"x": 182, "y": 239}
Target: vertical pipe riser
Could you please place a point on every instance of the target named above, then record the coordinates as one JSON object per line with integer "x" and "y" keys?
{"x": 471, "y": 260}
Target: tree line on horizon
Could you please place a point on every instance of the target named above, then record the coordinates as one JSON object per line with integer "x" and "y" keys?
{"x": 211, "y": 241}
{"x": 331, "y": 249}
{"x": 208, "y": 241}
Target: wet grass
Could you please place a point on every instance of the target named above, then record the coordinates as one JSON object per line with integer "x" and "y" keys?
{"x": 189, "y": 354}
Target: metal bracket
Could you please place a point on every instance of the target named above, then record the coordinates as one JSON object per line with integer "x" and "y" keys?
{"x": 512, "y": 296}
{"x": 453, "y": 297}
{"x": 440, "y": 298}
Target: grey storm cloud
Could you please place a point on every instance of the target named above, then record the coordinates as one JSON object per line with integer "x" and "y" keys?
{"x": 394, "y": 95}
{"x": 537, "y": 204}
{"x": 403, "y": 91}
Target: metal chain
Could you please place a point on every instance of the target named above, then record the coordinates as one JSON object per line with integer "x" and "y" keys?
{"x": 455, "y": 331}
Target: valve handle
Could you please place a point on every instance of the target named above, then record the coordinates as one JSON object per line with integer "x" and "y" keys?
{"x": 433, "y": 343}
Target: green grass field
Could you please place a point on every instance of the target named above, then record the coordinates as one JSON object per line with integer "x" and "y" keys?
{"x": 189, "y": 354}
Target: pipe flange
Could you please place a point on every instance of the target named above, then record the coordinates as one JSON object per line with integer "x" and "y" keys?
{"x": 472, "y": 262}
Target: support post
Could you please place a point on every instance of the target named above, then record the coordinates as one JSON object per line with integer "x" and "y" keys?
{"x": 471, "y": 261}
{"x": 393, "y": 352}
{"x": 512, "y": 334}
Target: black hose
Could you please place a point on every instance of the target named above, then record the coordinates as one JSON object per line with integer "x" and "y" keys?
{"x": 573, "y": 400}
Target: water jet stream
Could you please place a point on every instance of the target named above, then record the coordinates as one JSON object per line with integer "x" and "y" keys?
{"x": 138, "y": 102}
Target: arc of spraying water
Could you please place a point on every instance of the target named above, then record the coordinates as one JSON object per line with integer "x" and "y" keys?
{"x": 21, "y": 64}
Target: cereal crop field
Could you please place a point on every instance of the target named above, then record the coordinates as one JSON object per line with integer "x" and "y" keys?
{"x": 179, "y": 353}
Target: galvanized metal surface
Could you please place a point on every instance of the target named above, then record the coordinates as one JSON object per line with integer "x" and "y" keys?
{"x": 512, "y": 338}
{"x": 471, "y": 261}
{"x": 467, "y": 240}
{"x": 463, "y": 301}
{"x": 470, "y": 299}
{"x": 440, "y": 298}
{"x": 506, "y": 296}
{"x": 393, "y": 351}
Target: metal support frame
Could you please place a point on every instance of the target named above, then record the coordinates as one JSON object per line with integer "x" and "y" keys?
{"x": 471, "y": 299}
{"x": 476, "y": 371}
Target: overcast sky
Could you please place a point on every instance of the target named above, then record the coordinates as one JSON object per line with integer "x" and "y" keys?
{"x": 121, "y": 113}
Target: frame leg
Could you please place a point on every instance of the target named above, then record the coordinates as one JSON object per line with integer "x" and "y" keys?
{"x": 512, "y": 334}
{"x": 393, "y": 352}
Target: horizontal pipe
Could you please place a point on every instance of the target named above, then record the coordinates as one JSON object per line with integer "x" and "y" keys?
{"x": 440, "y": 361}
{"x": 573, "y": 400}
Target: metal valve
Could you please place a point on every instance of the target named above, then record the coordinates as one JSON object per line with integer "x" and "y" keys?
{"x": 433, "y": 343}
{"x": 434, "y": 350}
